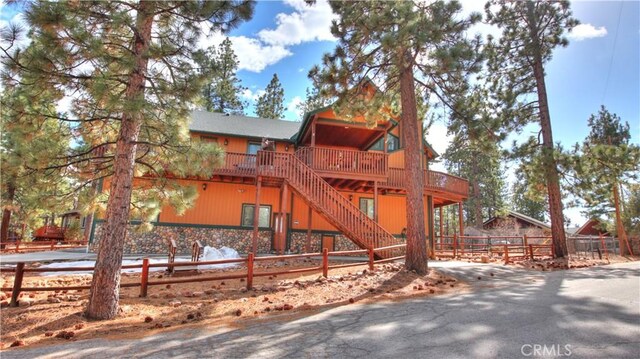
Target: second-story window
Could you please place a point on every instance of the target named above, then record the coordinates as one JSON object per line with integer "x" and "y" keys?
{"x": 253, "y": 147}
{"x": 393, "y": 144}
{"x": 366, "y": 206}
{"x": 205, "y": 138}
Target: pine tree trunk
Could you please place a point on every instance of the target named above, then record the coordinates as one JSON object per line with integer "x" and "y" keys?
{"x": 416, "y": 257}
{"x": 477, "y": 197}
{"x": 105, "y": 286}
{"x": 559, "y": 239}
{"x": 623, "y": 241}
{"x": 6, "y": 212}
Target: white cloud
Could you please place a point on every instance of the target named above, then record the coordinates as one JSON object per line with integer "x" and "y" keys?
{"x": 251, "y": 96}
{"x": 255, "y": 56}
{"x": 587, "y": 31}
{"x": 306, "y": 23}
{"x": 293, "y": 112}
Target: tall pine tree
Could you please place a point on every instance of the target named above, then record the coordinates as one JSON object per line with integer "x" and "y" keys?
{"x": 222, "y": 90}
{"x": 530, "y": 32}
{"x": 271, "y": 102}
{"x": 605, "y": 161}
{"x": 409, "y": 50}
{"x": 129, "y": 66}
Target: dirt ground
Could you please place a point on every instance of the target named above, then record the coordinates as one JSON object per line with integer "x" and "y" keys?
{"x": 47, "y": 317}
{"x": 550, "y": 264}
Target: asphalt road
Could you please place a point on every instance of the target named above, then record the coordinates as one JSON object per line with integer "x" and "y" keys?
{"x": 585, "y": 313}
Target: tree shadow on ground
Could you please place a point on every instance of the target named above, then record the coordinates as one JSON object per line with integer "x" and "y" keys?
{"x": 505, "y": 316}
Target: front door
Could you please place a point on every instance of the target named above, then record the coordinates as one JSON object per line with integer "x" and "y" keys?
{"x": 327, "y": 242}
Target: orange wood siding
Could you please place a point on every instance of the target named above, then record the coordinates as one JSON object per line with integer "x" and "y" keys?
{"x": 221, "y": 204}
{"x": 240, "y": 144}
{"x": 396, "y": 159}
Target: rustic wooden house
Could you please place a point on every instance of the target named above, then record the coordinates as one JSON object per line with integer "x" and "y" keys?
{"x": 592, "y": 227}
{"x": 324, "y": 183}
{"x": 517, "y": 223}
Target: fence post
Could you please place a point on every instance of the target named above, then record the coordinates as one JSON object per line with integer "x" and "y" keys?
{"x": 250, "y": 258}
{"x": 489, "y": 245}
{"x": 370, "y": 250}
{"x": 531, "y": 252}
{"x": 18, "y": 247}
{"x": 325, "y": 262}
{"x": 525, "y": 240}
{"x": 455, "y": 245}
{"x": 144, "y": 277}
{"x": 17, "y": 284}
{"x": 506, "y": 254}
{"x": 53, "y": 243}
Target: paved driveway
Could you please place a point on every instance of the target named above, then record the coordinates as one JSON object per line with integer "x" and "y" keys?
{"x": 593, "y": 313}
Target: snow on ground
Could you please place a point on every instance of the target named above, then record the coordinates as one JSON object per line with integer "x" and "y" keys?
{"x": 209, "y": 254}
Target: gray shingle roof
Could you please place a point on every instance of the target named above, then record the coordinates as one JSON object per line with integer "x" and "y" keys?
{"x": 220, "y": 123}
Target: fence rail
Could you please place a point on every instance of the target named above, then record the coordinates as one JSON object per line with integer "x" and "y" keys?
{"x": 145, "y": 283}
{"x": 35, "y": 246}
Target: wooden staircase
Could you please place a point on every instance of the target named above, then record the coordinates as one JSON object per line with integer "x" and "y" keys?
{"x": 326, "y": 200}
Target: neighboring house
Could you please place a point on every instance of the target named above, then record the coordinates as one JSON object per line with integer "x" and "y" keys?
{"x": 326, "y": 183}
{"x": 591, "y": 228}
{"x": 514, "y": 222}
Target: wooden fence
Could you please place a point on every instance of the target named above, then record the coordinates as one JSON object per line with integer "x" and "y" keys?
{"x": 38, "y": 246}
{"x": 249, "y": 274}
{"x": 510, "y": 247}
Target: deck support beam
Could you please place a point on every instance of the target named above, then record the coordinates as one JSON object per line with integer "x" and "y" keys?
{"x": 256, "y": 217}
{"x": 461, "y": 218}
{"x": 309, "y": 222}
{"x": 375, "y": 201}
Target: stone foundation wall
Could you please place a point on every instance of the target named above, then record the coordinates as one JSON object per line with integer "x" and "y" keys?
{"x": 157, "y": 240}
{"x": 298, "y": 242}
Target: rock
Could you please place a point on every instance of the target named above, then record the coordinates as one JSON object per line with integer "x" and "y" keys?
{"x": 190, "y": 316}
{"x": 148, "y": 319}
{"x": 25, "y": 302}
{"x": 210, "y": 291}
{"x": 238, "y": 313}
{"x": 79, "y": 326}
{"x": 17, "y": 343}
{"x": 4, "y": 303}
{"x": 154, "y": 295}
{"x": 48, "y": 334}
{"x": 198, "y": 294}
{"x": 287, "y": 307}
{"x": 175, "y": 303}
{"x": 351, "y": 300}
{"x": 479, "y": 278}
{"x": 65, "y": 334}
{"x": 432, "y": 291}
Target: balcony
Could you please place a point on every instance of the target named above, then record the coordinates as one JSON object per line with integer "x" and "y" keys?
{"x": 237, "y": 165}
{"x": 433, "y": 181}
{"x": 345, "y": 163}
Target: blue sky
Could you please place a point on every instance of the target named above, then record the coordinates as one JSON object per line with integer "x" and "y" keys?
{"x": 601, "y": 65}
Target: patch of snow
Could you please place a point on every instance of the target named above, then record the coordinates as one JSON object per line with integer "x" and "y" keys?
{"x": 209, "y": 254}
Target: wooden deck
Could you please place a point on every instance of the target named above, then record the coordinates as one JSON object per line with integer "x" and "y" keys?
{"x": 345, "y": 165}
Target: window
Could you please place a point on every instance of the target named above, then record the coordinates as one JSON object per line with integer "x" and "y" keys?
{"x": 205, "y": 138}
{"x": 254, "y": 147}
{"x": 263, "y": 217}
{"x": 366, "y": 206}
{"x": 393, "y": 144}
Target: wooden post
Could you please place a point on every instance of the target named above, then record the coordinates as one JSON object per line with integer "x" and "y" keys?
{"x": 375, "y": 201}
{"x": 455, "y": 245}
{"x": 325, "y": 262}
{"x": 371, "y": 258}
{"x": 308, "y": 242}
{"x": 604, "y": 246}
{"x": 506, "y": 254}
{"x": 250, "y": 258}
{"x": 441, "y": 228}
{"x": 144, "y": 277}
{"x": 461, "y": 219}
{"x": 525, "y": 240}
{"x": 256, "y": 217}
{"x": 17, "y": 284}
{"x": 18, "y": 247}
{"x": 53, "y": 244}
{"x": 531, "y": 252}
{"x": 283, "y": 220}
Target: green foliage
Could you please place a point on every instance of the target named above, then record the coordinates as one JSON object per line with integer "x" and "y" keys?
{"x": 474, "y": 154}
{"x": 271, "y": 103}
{"x": 631, "y": 214}
{"x": 527, "y": 199}
{"x": 27, "y": 142}
{"x": 85, "y": 50}
{"x": 603, "y": 161}
{"x": 313, "y": 101}
{"x": 378, "y": 38}
{"x": 222, "y": 90}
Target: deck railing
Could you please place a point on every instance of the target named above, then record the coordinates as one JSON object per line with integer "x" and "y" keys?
{"x": 237, "y": 164}
{"x": 344, "y": 161}
{"x": 434, "y": 181}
